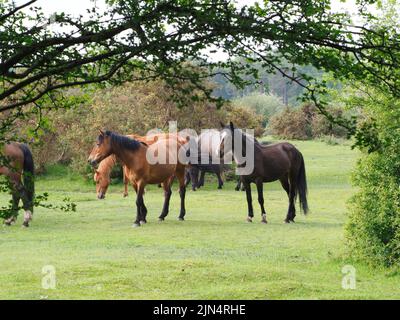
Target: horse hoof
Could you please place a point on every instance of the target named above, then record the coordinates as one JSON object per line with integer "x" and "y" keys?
{"x": 125, "y": 195}
{"x": 143, "y": 222}
{"x": 160, "y": 219}
{"x": 249, "y": 219}
{"x": 136, "y": 225}
{"x": 264, "y": 221}
{"x": 10, "y": 221}
{"x": 25, "y": 225}
{"x": 181, "y": 219}
{"x": 286, "y": 221}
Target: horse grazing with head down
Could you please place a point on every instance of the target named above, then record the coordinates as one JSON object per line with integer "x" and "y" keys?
{"x": 17, "y": 165}
{"x": 140, "y": 172}
{"x": 102, "y": 176}
{"x": 280, "y": 161}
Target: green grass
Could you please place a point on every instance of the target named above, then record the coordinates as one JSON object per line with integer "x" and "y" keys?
{"x": 214, "y": 254}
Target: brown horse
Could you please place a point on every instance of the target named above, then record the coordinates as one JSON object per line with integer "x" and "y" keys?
{"x": 103, "y": 179}
{"x": 281, "y": 161}
{"x": 102, "y": 173}
{"x": 18, "y": 167}
{"x": 133, "y": 154}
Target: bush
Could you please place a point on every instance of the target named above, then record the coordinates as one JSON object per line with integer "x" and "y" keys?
{"x": 373, "y": 227}
{"x": 243, "y": 117}
{"x": 305, "y": 123}
{"x": 265, "y": 105}
{"x": 290, "y": 124}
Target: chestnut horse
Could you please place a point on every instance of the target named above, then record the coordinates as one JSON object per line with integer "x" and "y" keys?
{"x": 102, "y": 176}
{"x": 280, "y": 161}
{"x": 133, "y": 154}
{"x": 18, "y": 167}
{"x": 102, "y": 173}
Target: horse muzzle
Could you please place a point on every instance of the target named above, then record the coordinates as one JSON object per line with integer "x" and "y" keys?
{"x": 101, "y": 196}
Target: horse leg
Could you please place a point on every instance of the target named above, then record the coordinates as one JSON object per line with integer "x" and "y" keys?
{"x": 187, "y": 178}
{"x": 237, "y": 188}
{"x": 27, "y": 203}
{"x": 220, "y": 182}
{"x": 28, "y": 207}
{"x": 167, "y": 197}
{"x": 292, "y": 199}
{"x": 285, "y": 184}
{"x": 126, "y": 182}
{"x": 143, "y": 214}
{"x": 182, "y": 193}
{"x": 291, "y": 195}
{"x": 143, "y": 209}
{"x": 14, "y": 209}
{"x": 247, "y": 187}
{"x": 201, "y": 181}
{"x": 259, "y": 184}
{"x": 139, "y": 205}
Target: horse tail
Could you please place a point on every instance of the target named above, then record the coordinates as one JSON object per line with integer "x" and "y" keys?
{"x": 301, "y": 185}
{"x": 28, "y": 175}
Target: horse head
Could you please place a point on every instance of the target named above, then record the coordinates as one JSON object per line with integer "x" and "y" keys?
{"x": 102, "y": 148}
{"x": 102, "y": 181}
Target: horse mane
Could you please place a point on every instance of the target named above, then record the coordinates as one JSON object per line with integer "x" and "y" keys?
{"x": 123, "y": 141}
{"x": 248, "y": 137}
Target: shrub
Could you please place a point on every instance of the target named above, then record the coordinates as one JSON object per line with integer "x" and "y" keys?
{"x": 373, "y": 227}
{"x": 305, "y": 123}
{"x": 321, "y": 126}
{"x": 265, "y": 105}
{"x": 243, "y": 117}
{"x": 290, "y": 124}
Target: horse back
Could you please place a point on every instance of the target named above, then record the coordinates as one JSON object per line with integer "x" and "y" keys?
{"x": 15, "y": 156}
{"x": 274, "y": 161}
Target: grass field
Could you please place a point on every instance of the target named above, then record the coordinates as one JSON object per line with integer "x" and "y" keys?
{"x": 214, "y": 254}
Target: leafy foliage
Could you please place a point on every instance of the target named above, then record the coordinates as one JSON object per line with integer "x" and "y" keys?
{"x": 373, "y": 228}
{"x": 305, "y": 123}
{"x": 151, "y": 39}
{"x": 40, "y": 200}
{"x": 262, "y": 104}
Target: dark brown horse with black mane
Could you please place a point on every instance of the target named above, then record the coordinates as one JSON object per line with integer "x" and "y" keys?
{"x": 17, "y": 165}
{"x": 280, "y": 161}
{"x": 140, "y": 172}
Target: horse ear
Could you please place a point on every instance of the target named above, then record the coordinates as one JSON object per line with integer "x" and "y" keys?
{"x": 221, "y": 124}
{"x": 101, "y": 132}
{"x": 231, "y": 125}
